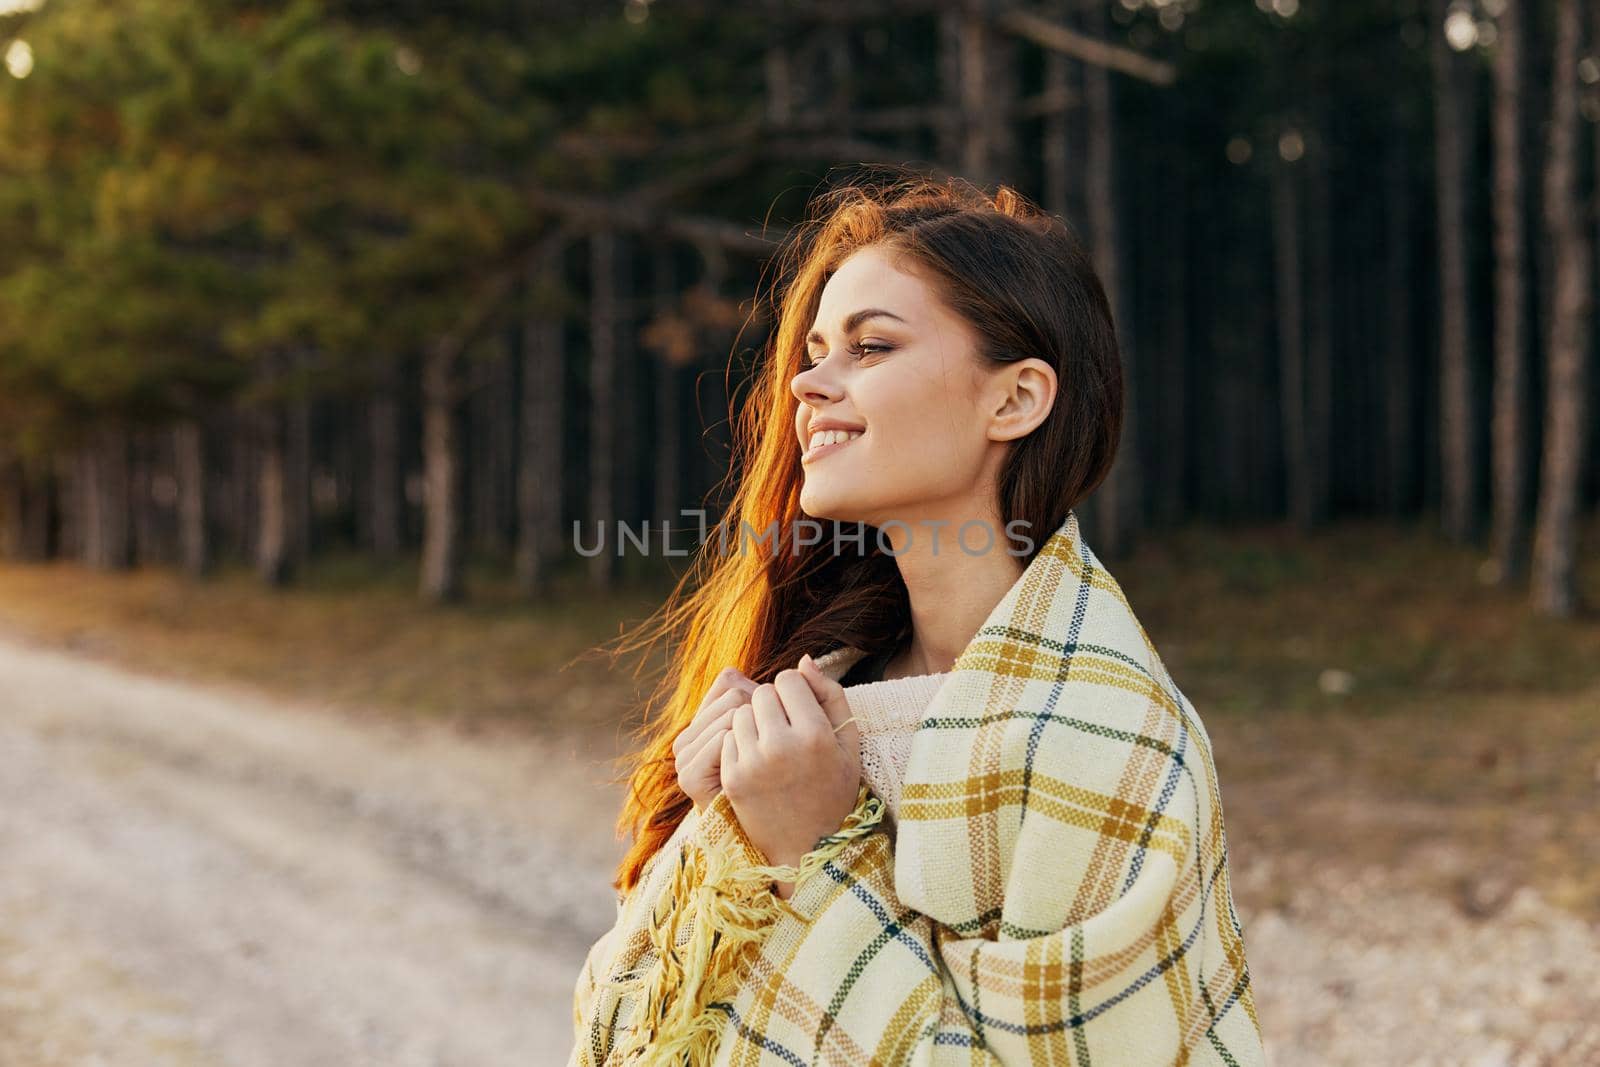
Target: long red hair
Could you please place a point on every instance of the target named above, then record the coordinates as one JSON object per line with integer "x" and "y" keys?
{"x": 1029, "y": 289}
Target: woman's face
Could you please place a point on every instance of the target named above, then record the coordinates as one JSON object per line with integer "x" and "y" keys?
{"x": 888, "y": 359}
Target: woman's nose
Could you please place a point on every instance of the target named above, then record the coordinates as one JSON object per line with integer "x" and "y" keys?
{"x": 813, "y": 383}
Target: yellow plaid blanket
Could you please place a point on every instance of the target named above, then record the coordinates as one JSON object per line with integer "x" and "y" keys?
{"x": 1057, "y": 891}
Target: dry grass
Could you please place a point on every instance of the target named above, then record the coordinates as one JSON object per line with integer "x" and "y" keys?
{"x": 347, "y": 635}
{"x": 1463, "y": 754}
{"x": 1249, "y": 620}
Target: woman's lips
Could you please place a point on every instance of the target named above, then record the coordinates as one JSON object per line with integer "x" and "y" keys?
{"x": 822, "y": 450}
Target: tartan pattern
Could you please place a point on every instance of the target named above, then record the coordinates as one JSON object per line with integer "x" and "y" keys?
{"x": 1057, "y": 891}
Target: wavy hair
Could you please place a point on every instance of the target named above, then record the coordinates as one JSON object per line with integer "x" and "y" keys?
{"x": 1028, "y": 288}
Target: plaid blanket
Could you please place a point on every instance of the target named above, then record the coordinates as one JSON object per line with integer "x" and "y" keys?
{"x": 1057, "y": 890}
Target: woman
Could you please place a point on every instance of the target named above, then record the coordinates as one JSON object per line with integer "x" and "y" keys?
{"x": 1052, "y": 886}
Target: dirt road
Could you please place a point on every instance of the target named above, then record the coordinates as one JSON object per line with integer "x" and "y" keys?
{"x": 200, "y": 876}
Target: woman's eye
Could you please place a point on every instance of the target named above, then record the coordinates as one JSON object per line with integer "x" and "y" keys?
{"x": 865, "y": 348}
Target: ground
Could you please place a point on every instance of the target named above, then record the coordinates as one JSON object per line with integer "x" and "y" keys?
{"x": 198, "y": 875}
{"x": 331, "y": 827}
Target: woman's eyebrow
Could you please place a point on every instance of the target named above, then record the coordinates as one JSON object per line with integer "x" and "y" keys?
{"x": 854, "y": 319}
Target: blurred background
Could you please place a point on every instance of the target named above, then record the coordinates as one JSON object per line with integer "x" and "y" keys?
{"x": 325, "y": 326}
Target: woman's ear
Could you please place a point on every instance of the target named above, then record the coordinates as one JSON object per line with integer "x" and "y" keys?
{"x": 1027, "y": 391}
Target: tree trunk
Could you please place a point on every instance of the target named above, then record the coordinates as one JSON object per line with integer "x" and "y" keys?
{"x": 39, "y": 522}
{"x": 492, "y": 408}
{"x": 839, "y": 78}
{"x": 602, "y": 402}
{"x": 989, "y": 89}
{"x": 1555, "y": 590}
{"x": 67, "y": 470}
{"x": 1118, "y": 496}
{"x": 274, "y": 562}
{"x": 13, "y": 504}
{"x": 628, "y": 411}
{"x": 668, "y": 443}
{"x": 1062, "y": 136}
{"x": 298, "y": 460}
{"x": 539, "y": 474}
{"x": 503, "y": 441}
{"x": 242, "y": 515}
{"x": 950, "y": 135}
{"x": 1400, "y": 467}
{"x": 88, "y": 513}
{"x": 1592, "y": 494}
{"x": 189, "y": 462}
{"x": 1060, "y": 143}
{"x": 1172, "y": 494}
{"x": 107, "y": 501}
{"x": 711, "y": 461}
{"x": 1056, "y": 138}
{"x": 1510, "y": 431}
{"x": 1319, "y": 297}
{"x": 385, "y": 533}
{"x": 976, "y": 150}
{"x": 343, "y": 452}
{"x": 1290, "y": 290}
{"x": 442, "y": 551}
{"x": 145, "y": 520}
{"x": 779, "y": 72}
{"x": 1459, "y": 504}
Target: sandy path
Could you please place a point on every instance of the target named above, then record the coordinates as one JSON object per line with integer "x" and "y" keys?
{"x": 197, "y": 875}
{"x": 1364, "y": 972}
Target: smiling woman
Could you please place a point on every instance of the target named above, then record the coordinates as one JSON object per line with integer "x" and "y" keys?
{"x": 944, "y": 416}
{"x": 1053, "y": 884}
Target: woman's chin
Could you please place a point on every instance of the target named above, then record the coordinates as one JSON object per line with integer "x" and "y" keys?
{"x": 825, "y": 504}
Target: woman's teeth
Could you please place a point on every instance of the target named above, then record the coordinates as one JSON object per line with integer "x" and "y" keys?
{"x": 833, "y": 437}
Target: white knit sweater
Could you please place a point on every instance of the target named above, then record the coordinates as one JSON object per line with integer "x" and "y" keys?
{"x": 887, "y": 714}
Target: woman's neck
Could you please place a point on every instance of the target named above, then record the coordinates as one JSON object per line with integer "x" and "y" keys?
{"x": 951, "y": 593}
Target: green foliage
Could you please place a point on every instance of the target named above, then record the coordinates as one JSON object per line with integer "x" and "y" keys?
{"x": 191, "y": 187}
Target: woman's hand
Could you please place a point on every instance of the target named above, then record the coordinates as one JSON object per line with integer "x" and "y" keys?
{"x": 791, "y": 763}
{"x": 698, "y": 747}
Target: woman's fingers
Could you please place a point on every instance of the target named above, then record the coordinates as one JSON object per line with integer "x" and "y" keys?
{"x": 836, "y": 706}
{"x": 726, "y": 679}
{"x": 709, "y": 734}
{"x": 744, "y": 727}
{"x": 704, "y": 765}
{"x": 800, "y": 700}
{"x": 709, "y": 713}
{"x": 767, "y": 706}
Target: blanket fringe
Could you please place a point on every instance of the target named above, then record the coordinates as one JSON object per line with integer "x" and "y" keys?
{"x": 730, "y": 906}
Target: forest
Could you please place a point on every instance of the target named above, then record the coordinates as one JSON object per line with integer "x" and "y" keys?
{"x": 436, "y": 283}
